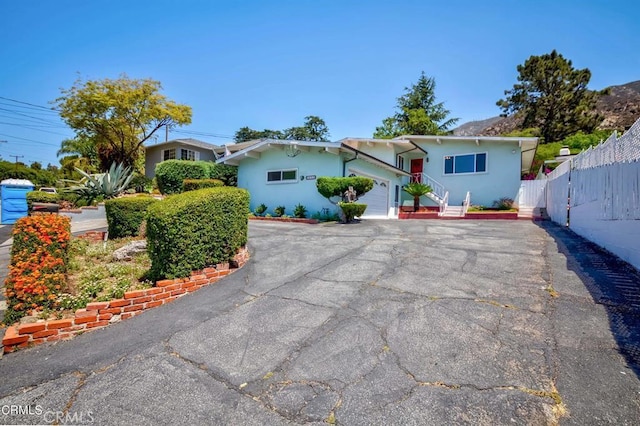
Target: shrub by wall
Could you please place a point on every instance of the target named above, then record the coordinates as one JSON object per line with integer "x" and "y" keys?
{"x": 352, "y": 210}
{"x": 38, "y": 264}
{"x": 41, "y": 197}
{"x": 330, "y": 187}
{"x": 171, "y": 173}
{"x": 193, "y": 184}
{"x": 124, "y": 215}
{"x": 196, "y": 229}
{"x": 224, "y": 172}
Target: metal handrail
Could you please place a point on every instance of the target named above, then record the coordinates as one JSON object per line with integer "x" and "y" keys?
{"x": 466, "y": 203}
{"x": 436, "y": 187}
{"x": 444, "y": 203}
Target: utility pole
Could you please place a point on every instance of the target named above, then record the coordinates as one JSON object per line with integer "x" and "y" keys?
{"x": 16, "y": 157}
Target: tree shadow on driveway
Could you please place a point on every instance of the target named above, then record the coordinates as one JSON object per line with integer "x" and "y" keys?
{"x": 612, "y": 283}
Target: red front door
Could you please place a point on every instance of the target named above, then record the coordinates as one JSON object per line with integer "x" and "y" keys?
{"x": 416, "y": 170}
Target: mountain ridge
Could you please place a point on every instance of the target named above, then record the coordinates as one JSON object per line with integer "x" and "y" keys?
{"x": 620, "y": 109}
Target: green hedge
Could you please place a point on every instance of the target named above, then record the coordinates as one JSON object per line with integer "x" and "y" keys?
{"x": 227, "y": 174}
{"x": 41, "y": 197}
{"x": 196, "y": 229}
{"x": 124, "y": 215}
{"x": 171, "y": 173}
{"x": 193, "y": 184}
{"x": 336, "y": 186}
{"x": 352, "y": 210}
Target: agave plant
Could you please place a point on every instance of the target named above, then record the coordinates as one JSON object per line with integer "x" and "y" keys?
{"x": 107, "y": 185}
{"x": 417, "y": 190}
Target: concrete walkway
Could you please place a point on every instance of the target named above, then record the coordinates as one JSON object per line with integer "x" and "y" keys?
{"x": 381, "y": 322}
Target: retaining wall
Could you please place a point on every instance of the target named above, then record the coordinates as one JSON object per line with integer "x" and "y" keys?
{"x": 101, "y": 314}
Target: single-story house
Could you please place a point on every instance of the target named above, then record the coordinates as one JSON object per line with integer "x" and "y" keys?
{"x": 283, "y": 172}
{"x": 178, "y": 149}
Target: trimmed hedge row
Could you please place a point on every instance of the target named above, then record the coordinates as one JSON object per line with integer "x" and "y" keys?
{"x": 41, "y": 197}
{"x": 196, "y": 229}
{"x": 37, "y": 273}
{"x": 124, "y": 215}
{"x": 170, "y": 174}
{"x": 193, "y": 184}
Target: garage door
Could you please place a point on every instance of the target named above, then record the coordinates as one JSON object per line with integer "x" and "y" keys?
{"x": 377, "y": 200}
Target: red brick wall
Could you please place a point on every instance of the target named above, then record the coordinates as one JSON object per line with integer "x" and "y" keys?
{"x": 101, "y": 314}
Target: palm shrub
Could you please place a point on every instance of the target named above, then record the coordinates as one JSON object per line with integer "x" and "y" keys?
{"x": 417, "y": 190}
{"x": 279, "y": 211}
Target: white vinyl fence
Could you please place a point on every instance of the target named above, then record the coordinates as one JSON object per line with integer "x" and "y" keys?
{"x": 532, "y": 194}
{"x": 602, "y": 188}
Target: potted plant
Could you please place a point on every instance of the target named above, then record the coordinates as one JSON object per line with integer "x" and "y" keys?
{"x": 416, "y": 190}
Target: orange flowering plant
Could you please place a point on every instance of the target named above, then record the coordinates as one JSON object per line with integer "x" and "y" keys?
{"x": 37, "y": 273}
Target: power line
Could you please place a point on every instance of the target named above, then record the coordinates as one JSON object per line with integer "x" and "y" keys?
{"x": 29, "y": 140}
{"x": 30, "y": 104}
{"x": 32, "y": 127}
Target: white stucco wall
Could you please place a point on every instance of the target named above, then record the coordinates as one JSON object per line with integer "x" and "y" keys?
{"x": 252, "y": 175}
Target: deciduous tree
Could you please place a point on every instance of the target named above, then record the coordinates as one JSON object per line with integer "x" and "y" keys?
{"x": 313, "y": 129}
{"x": 553, "y": 96}
{"x": 119, "y": 115}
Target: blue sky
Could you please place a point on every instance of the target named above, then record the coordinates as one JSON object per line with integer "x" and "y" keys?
{"x": 268, "y": 64}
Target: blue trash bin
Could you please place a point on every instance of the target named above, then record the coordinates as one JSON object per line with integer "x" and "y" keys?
{"x": 14, "y": 199}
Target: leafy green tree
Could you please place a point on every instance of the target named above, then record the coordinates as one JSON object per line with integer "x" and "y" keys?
{"x": 553, "y": 96}
{"x": 418, "y": 113}
{"x": 245, "y": 134}
{"x": 119, "y": 115}
{"x": 313, "y": 129}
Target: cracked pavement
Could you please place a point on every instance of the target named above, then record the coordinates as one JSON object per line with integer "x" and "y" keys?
{"x": 378, "y": 322}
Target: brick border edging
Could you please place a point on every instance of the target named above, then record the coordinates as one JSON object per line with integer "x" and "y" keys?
{"x": 101, "y": 314}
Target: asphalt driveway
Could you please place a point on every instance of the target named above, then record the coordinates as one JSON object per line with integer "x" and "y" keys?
{"x": 380, "y": 322}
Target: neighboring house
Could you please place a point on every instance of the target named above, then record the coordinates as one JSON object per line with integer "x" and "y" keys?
{"x": 281, "y": 172}
{"x": 177, "y": 149}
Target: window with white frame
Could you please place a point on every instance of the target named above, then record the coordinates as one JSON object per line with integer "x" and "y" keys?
{"x": 282, "y": 176}
{"x": 400, "y": 162}
{"x": 465, "y": 163}
{"x": 188, "y": 154}
{"x": 169, "y": 154}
